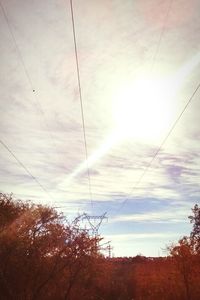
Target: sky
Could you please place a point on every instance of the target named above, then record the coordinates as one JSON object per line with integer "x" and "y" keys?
{"x": 139, "y": 64}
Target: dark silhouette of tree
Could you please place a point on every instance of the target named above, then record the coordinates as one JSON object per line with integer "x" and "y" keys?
{"x": 183, "y": 256}
{"x": 39, "y": 249}
{"x": 195, "y": 233}
{"x": 186, "y": 256}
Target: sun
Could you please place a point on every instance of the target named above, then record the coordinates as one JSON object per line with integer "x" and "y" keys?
{"x": 143, "y": 110}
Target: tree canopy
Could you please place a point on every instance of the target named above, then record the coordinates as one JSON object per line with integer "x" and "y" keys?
{"x": 39, "y": 247}
{"x": 195, "y": 233}
{"x": 43, "y": 256}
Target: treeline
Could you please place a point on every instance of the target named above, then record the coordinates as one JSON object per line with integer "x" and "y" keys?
{"x": 43, "y": 256}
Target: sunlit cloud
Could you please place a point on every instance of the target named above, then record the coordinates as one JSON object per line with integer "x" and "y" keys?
{"x": 144, "y": 111}
{"x": 135, "y": 236}
{"x": 156, "y": 217}
{"x": 106, "y": 146}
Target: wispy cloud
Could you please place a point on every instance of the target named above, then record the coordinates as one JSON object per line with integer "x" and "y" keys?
{"x": 154, "y": 217}
{"x": 135, "y": 236}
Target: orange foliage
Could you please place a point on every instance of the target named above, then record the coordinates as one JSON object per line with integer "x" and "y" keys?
{"x": 43, "y": 257}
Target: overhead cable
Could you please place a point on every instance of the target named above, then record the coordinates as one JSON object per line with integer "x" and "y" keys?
{"x": 25, "y": 68}
{"x": 161, "y": 34}
{"x": 26, "y": 169}
{"x": 80, "y": 98}
{"x": 162, "y": 144}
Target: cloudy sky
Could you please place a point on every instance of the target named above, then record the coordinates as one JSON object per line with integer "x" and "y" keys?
{"x": 139, "y": 65}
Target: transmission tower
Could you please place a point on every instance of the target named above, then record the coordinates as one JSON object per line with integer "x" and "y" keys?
{"x": 94, "y": 222}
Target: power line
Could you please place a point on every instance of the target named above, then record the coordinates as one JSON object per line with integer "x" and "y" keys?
{"x": 152, "y": 66}
{"x": 32, "y": 86}
{"x": 162, "y": 144}
{"x": 161, "y": 35}
{"x": 80, "y": 98}
{"x": 39, "y": 107}
{"x": 26, "y": 169}
{"x": 36, "y": 100}
{"x": 17, "y": 47}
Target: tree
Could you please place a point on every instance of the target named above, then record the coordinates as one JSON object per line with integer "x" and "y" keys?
{"x": 186, "y": 255}
{"x": 42, "y": 255}
{"x": 183, "y": 256}
{"x": 195, "y": 233}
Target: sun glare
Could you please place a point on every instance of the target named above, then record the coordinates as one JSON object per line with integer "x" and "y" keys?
{"x": 143, "y": 110}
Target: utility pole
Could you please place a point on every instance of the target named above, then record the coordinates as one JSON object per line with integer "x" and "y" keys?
{"x": 110, "y": 248}
{"x": 106, "y": 247}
